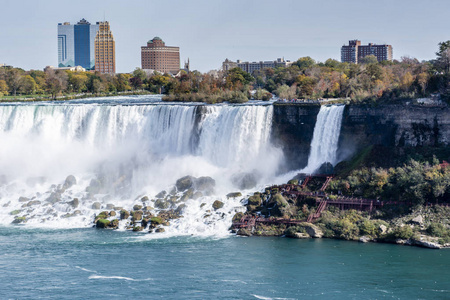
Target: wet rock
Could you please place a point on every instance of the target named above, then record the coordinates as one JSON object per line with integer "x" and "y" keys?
{"x": 245, "y": 181}
{"x": 187, "y": 195}
{"x": 156, "y": 221}
{"x": 112, "y": 213}
{"x": 162, "y": 204}
{"x": 110, "y": 206}
{"x": 254, "y": 200}
{"x": 202, "y": 205}
{"x": 205, "y": 184}
{"x": 160, "y": 230}
{"x": 94, "y": 186}
{"x": 161, "y": 194}
{"x": 69, "y": 182}
{"x": 237, "y": 217}
{"x": 77, "y": 212}
{"x": 102, "y": 223}
{"x": 234, "y": 195}
{"x": 147, "y": 208}
{"x": 18, "y": 220}
{"x": 54, "y": 197}
{"x": 96, "y": 205}
{"x": 23, "y": 199}
{"x": 114, "y": 224}
{"x": 185, "y": 183}
{"x": 326, "y": 168}
{"x": 137, "y": 215}
{"x": 180, "y": 209}
{"x": 217, "y": 204}
{"x": 124, "y": 214}
{"x": 74, "y": 203}
{"x": 166, "y": 223}
{"x": 138, "y": 228}
{"x": 6, "y": 204}
{"x": 427, "y": 244}
{"x": 137, "y": 207}
{"x": 34, "y": 202}
{"x": 145, "y": 199}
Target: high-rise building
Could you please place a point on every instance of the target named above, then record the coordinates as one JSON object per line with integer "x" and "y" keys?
{"x": 159, "y": 57}
{"x": 105, "y": 51}
{"x": 76, "y": 44}
{"x": 354, "y": 51}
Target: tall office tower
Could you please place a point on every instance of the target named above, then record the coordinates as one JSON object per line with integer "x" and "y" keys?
{"x": 157, "y": 56}
{"x": 105, "y": 59}
{"x": 354, "y": 51}
{"x": 76, "y": 44}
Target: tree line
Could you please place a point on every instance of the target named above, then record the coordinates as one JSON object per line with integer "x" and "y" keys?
{"x": 368, "y": 80}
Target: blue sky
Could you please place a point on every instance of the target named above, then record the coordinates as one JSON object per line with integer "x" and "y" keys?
{"x": 207, "y": 32}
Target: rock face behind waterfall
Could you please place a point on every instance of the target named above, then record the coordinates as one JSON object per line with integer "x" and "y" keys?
{"x": 400, "y": 126}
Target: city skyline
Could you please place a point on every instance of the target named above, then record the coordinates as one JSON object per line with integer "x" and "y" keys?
{"x": 210, "y": 32}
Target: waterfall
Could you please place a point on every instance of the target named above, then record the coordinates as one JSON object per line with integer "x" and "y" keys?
{"x": 325, "y": 140}
{"x": 134, "y": 148}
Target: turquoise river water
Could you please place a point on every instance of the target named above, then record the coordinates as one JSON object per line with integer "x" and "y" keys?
{"x": 93, "y": 264}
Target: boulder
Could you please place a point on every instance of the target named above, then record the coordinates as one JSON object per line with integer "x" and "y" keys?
{"x": 147, "y": 208}
{"x": 137, "y": 207}
{"x": 365, "y": 239}
{"x": 312, "y": 230}
{"x": 417, "y": 220}
{"x": 185, "y": 183}
{"x": 34, "y": 202}
{"x": 162, "y": 204}
{"x": 137, "y": 215}
{"x": 15, "y": 212}
{"x": 187, "y": 195}
{"x": 205, "y": 184}
{"x": 138, "y": 228}
{"x": 112, "y": 213}
{"x": 160, "y": 230}
{"x": 102, "y": 223}
{"x": 180, "y": 209}
{"x": 54, "y": 197}
{"x": 217, "y": 204}
{"x": 326, "y": 168}
{"x": 74, "y": 203}
{"x": 244, "y": 232}
{"x": 383, "y": 229}
{"x": 124, "y": 214}
{"x": 427, "y": 244}
{"x": 23, "y": 199}
{"x": 114, "y": 224}
{"x": 234, "y": 195}
{"x": 18, "y": 220}
{"x": 110, "y": 206}
{"x": 96, "y": 205}
{"x": 69, "y": 182}
{"x": 94, "y": 186}
{"x": 161, "y": 194}
{"x": 254, "y": 200}
{"x": 144, "y": 199}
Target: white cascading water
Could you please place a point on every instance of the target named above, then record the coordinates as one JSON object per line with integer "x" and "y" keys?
{"x": 136, "y": 150}
{"x": 324, "y": 144}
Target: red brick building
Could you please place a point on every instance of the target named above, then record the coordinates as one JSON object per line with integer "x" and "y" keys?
{"x": 157, "y": 56}
{"x": 354, "y": 51}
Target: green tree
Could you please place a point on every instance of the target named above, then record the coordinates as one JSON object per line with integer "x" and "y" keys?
{"x": 28, "y": 85}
